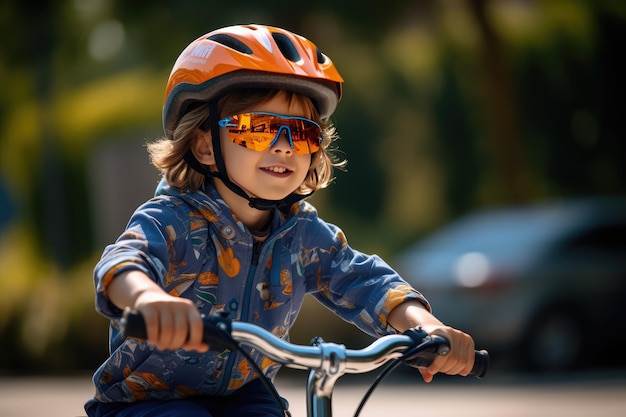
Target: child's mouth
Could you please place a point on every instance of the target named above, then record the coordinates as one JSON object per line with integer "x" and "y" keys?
{"x": 278, "y": 171}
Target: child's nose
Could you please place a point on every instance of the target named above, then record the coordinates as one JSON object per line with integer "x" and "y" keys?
{"x": 283, "y": 142}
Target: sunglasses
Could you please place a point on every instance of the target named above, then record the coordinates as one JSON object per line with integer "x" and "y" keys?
{"x": 258, "y": 131}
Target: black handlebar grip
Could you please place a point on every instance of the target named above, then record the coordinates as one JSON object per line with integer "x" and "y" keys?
{"x": 481, "y": 364}
{"x": 133, "y": 325}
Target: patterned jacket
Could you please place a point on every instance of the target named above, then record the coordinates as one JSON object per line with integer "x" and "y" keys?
{"x": 194, "y": 247}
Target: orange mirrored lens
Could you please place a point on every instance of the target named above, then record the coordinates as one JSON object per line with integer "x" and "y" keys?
{"x": 258, "y": 131}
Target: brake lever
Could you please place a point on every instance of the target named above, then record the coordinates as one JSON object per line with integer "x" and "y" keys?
{"x": 429, "y": 347}
{"x": 426, "y": 348}
{"x": 217, "y": 331}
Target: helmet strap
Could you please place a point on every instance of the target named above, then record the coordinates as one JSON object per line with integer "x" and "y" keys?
{"x": 222, "y": 174}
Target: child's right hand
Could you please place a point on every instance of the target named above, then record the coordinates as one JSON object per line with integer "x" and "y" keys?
{"x": 171, "y": 322}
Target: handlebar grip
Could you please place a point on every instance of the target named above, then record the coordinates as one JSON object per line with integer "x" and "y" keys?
{"x": 216, "y": 330}
{"x": 133, "y": 325}
{"x": 438, "y": 345}
{"x": 481, "y": 364}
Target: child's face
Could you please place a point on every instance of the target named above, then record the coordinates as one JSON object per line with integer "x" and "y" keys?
{"x": 271, "y": 174}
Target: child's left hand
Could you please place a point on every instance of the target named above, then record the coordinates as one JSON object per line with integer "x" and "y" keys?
{"x": 460, "y": 359}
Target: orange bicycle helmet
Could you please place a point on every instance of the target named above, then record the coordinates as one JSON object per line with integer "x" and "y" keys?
{"x": 250, "y": 56}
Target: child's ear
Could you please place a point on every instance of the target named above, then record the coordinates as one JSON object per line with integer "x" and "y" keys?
{"x": 202, "y": 148}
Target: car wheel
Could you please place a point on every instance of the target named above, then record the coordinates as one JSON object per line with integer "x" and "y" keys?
{"x": 554, "y": 342}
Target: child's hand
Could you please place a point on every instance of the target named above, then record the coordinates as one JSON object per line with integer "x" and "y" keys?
{"x": 171, "y": 322}
{"x": 460, "y": 359}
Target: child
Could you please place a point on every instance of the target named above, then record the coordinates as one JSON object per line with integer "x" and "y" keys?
{"x": 246, "y": 118}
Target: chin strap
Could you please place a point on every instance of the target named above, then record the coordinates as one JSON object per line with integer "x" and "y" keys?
{"x": 222, "y": 174}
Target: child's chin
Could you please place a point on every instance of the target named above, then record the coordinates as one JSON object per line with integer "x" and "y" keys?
{"x": 273, "y": 197}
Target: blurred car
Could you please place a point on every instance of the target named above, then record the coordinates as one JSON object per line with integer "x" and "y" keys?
{"x": 544, "y": 285}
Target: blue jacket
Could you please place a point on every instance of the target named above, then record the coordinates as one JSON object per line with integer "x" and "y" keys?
{"x": 194, "y": 247}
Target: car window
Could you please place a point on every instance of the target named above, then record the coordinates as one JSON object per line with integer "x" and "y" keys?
{"x": 497, "y": 232}
{"x": 605, "y": 238}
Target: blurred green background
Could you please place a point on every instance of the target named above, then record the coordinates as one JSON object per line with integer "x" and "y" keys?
{"x": 449, "y": 106}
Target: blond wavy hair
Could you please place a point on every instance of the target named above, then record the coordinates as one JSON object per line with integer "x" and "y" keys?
{"x": 168, "y": 155}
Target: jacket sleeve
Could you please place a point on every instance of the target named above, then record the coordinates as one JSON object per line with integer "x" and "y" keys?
{"x": 361, "y": 289}
{"x": 153, "y": 233}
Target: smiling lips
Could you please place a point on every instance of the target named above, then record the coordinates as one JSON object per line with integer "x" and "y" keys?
{"x": 277, "y": 170}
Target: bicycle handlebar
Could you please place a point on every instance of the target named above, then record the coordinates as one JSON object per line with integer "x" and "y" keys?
{"x": 220, "y": 330}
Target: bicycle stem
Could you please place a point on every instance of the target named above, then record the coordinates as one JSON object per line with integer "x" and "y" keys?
{"x": 321, "y": 381}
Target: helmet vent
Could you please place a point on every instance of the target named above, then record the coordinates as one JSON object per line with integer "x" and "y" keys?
{"x": 287, "y": 48}
{"x": 321, "y": 58}
{"x": 231, "y": 42}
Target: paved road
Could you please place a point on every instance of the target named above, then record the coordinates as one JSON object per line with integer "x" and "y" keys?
{"x": 591, "y": 394}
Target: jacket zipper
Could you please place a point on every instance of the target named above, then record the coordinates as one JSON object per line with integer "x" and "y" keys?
{"x": 257, "y": 248}
{"x": 256, "y": 253}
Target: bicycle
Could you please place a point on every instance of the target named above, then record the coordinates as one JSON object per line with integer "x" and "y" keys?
{"x": 325, "y": 361}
